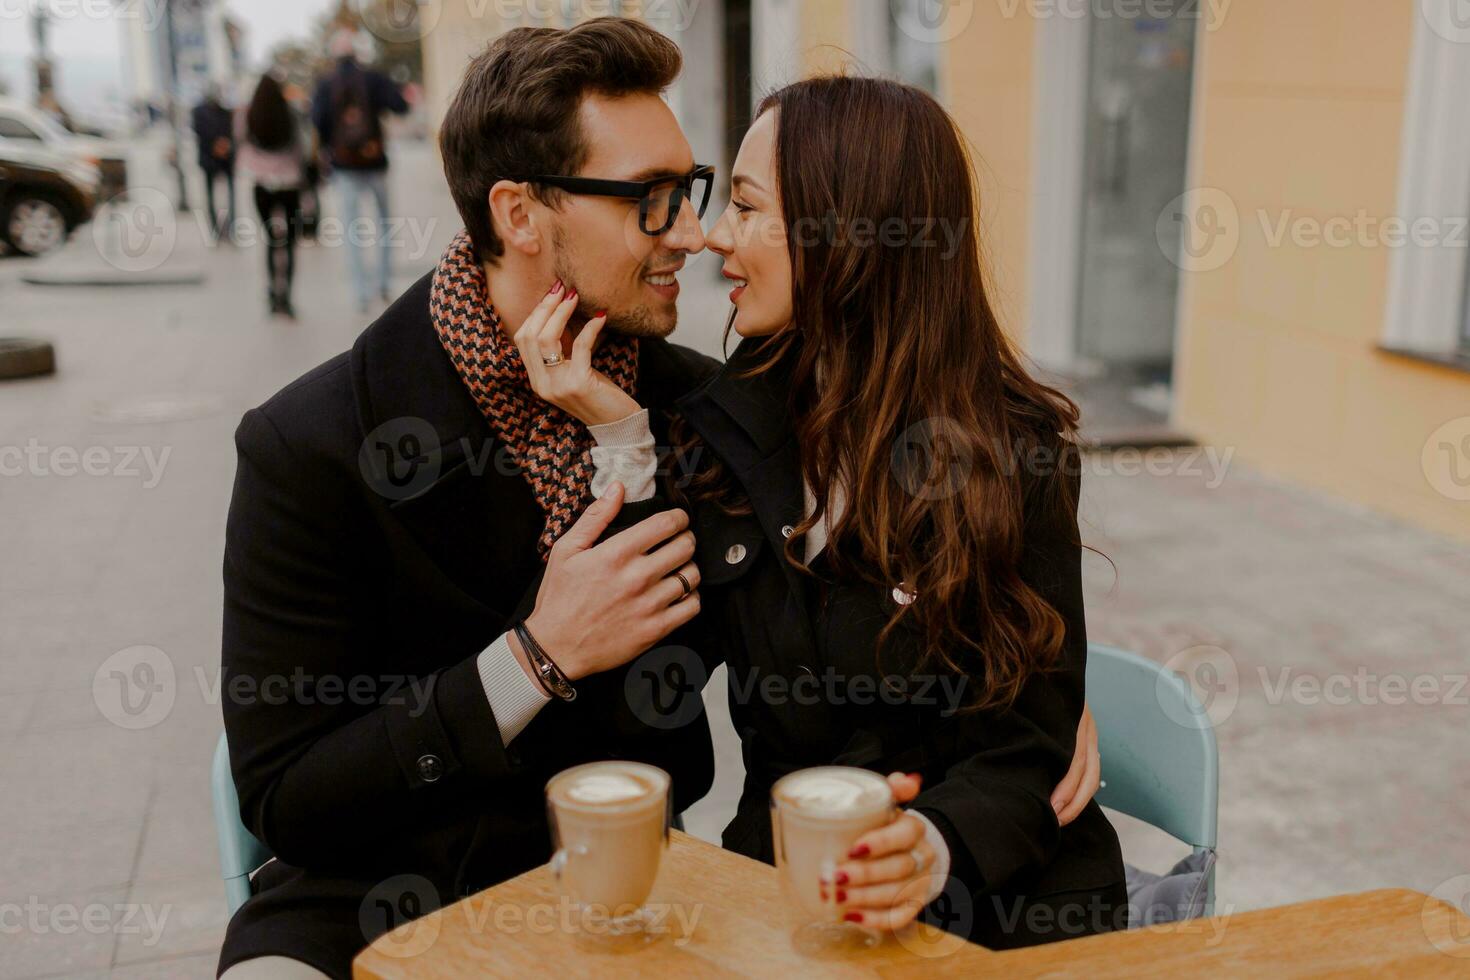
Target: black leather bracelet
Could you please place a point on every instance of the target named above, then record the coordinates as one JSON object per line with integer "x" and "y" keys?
{"x": 550, "y": 675}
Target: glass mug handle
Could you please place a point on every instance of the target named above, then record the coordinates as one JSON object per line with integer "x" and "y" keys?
{"x": 558, "y": 864}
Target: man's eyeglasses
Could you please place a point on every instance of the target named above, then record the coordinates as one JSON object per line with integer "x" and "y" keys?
{"x": 659, "y": 199}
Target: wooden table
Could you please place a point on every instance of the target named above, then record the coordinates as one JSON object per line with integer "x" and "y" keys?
{"x": 733, "y": 921}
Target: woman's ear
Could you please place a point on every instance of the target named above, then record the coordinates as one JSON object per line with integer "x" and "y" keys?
{"x": 512, "y": 216}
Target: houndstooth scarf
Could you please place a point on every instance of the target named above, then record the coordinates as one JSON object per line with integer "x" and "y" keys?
{"x": 551, "y": 447}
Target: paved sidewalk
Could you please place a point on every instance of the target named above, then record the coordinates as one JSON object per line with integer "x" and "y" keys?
{"x": 1318, "y": 798}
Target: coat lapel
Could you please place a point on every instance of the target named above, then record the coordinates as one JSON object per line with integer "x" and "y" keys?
{"x": 430, "y": 452}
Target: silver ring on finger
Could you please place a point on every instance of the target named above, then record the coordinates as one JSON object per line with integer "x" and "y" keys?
{"x": 553, "y": 359}
{"x": 687, "y": 587}
{"x": 920, "y": 861}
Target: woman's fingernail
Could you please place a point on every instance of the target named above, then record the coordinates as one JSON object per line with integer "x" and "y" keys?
{"x": 599, "y": 313}
{"x": 572, "y": 294}
{"x": 841, "y": 895}
{"x": 841, "y": 878}
{"x": 853, "y": 917}
{"x": 555, "y": 287}
{"x": 860, "y": 851}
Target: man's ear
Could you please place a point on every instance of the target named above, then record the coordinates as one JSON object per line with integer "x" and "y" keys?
{"x": 512, "y": 217}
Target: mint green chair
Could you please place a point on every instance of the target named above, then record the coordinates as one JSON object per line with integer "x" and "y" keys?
{"x": 1160, "y": 762}
{"x": 239, "y": 851}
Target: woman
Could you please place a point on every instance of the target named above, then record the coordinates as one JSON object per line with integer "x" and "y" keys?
{"x": 887, "y": 516}
{"x": 273, "y": 155}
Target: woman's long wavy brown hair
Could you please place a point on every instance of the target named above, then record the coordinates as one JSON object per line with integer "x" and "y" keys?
{"x": 947, "y": 449}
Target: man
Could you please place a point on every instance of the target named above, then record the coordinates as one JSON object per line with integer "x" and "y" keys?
{"x": 214, "y": 134}
{"x": 399, "y": 508}
{"x": 347, "y": 111}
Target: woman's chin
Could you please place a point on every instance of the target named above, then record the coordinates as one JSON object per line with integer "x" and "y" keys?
{"x": 747, "y": 326}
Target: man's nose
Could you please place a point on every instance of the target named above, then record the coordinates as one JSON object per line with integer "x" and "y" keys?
{"x": 686, "y": 235}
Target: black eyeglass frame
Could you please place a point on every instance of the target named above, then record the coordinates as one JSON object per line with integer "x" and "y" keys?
{"x": 638, "y": 190}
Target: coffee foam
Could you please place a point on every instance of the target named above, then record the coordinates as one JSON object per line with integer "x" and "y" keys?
{"x": 834, "y": 791}
{"x": 607, "y": 787}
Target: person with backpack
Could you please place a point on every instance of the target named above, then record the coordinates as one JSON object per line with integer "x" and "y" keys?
{"x": 273, "y": 153}
{"x": 347, "y": 110}
{"x": 215, "y": 136}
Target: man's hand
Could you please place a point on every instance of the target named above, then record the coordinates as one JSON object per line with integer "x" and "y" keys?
{"x": 601, "y": 605}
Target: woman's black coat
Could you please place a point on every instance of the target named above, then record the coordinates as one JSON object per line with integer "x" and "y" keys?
{"x": 804, "y": 689}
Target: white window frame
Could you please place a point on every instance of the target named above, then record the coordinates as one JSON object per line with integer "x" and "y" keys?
{"x": 1427, "y": 285}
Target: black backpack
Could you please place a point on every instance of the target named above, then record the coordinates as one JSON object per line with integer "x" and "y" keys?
{"x": 357, "y": 134}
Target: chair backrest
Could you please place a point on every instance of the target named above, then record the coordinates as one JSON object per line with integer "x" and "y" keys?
{"x": 239, "y": 851}
{"x": 1159, "y": 758}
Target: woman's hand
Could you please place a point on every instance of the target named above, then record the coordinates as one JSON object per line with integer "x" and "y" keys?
{"x": 1084, "y": 776}
{"x": 573, "y": 385}
{"x": 885, "y": 881}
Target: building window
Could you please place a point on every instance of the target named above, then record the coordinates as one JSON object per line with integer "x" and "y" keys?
{"x": 1428, "y": 311}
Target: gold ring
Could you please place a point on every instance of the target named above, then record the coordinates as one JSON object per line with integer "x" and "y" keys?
{"x": 553, "y": 359}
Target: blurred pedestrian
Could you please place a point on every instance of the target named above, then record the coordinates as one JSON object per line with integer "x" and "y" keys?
{"x": 273, "y": 155}
{"x": 347, "y": 110}
{"x": 214, "y": 133}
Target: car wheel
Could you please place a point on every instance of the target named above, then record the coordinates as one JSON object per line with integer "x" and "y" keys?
{"x": 33, "y": 224}
{"x": 23, "y": 358}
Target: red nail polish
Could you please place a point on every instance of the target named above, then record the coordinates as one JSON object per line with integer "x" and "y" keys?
{"x": 555, "y": 287}
{"x": 599, "y": 313}
{"x": 860, "y": 851}
{"x": 841, "y": 895}
{"x": 841, "y": 878}
{"x": 853, "y": 917}
{"x": 572, "y": 294}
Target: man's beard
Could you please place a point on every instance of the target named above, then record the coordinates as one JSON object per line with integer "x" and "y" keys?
{"x": 640, "y": 321}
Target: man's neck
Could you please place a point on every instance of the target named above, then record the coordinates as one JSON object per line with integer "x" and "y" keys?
{"x": 515, "y": 294}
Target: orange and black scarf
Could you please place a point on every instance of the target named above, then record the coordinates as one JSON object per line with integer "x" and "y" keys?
{"x": 550, "y": 447}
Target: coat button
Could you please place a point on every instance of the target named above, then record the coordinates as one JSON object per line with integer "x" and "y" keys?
{"x": 430, "y": 768}
{"x": 787, "y": 530}
{"x": 735, "y": 555}
{"x": 903, "y": 596}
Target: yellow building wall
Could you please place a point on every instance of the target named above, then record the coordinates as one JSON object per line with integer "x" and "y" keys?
{"x": 1300, "y": 111}
{"x": 986, "y": 84}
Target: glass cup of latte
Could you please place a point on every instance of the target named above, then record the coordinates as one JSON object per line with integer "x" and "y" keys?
{"x": 816, "y": 816}
{"x": 610, "y": 824}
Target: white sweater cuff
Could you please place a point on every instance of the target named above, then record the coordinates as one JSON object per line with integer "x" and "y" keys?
{"x": 624, "y": 451}
{"x": 940, "y": 872}
{"x": 514, "y": 697}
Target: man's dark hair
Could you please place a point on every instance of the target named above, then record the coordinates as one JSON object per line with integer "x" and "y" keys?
{"x": 516, "y": 111}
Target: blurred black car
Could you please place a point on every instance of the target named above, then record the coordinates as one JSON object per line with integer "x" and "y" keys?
{"x": 40, "y": 204}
